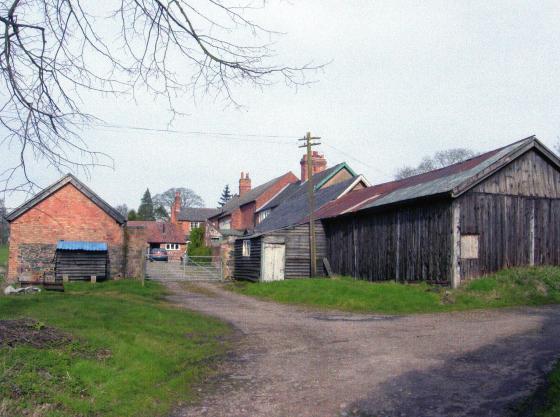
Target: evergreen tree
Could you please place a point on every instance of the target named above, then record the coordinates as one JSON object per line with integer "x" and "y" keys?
{"x": 132, "y": 215}
{"x": 225, "y": 197}
{"x": 146, "y": 209}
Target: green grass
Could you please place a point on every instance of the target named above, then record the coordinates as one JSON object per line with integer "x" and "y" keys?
{"x": 3, "y": 255}
{"x": 513, "y": 287}
{"x": 132, "y": 354}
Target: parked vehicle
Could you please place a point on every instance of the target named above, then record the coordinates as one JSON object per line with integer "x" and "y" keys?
{"x": 158, "y": 254}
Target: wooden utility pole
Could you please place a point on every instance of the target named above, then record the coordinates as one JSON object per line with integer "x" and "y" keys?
{"x": 311, "y": 197}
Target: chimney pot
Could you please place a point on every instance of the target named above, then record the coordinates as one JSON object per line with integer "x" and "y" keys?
{"x": 318, "y": 162}
{"x": 244, "y": 183}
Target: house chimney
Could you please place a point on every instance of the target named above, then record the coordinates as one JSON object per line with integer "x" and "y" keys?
{"x": 244, "y": 184}
{"x": 176, "y": 208}
{"x": 318, "y": 163}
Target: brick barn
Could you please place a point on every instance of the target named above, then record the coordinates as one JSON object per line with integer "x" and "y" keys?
{"x": 66, "y": 211}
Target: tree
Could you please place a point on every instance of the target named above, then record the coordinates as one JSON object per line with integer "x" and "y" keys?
{"x": 123, "y": 209}
{"x": 439, "y": 160}
{"x": 146, "y": 208}
{"x": 160, "y": 213}
{"x": 53, "y": 52}
{"x": 197, "y": 247}
{"x": 225, "y": 197}
{"x": 188, "y": 198}
{"x": 132, "y": 215}
{"x": 4, "y": 225}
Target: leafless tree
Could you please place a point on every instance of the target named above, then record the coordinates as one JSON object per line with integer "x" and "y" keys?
{"x": 439, "y": 160}
{"x": 188, "y": 198}
{"x": 54, "y": 52}
{"x": 123, "y": 209}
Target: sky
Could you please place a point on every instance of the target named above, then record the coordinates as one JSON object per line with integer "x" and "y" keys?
{"x": 404, "y": 79}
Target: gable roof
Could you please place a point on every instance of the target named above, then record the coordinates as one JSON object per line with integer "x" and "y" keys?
{"x": 453, "y": 180}
{"x": 237, "y": 201}
{"x": 295, "y": 210}
{"x": 197, "y": 214}
{"x": 50, "y": 190}
{"x": 300, "y": 188}
{"x": 160, "y": 232}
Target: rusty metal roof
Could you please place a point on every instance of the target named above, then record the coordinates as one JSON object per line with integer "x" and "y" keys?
{"x": 452, "y": 180}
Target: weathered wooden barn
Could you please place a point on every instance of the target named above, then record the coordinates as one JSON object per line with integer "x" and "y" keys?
{"x": 499, "y": 209}
{"x": 279, "y": 247}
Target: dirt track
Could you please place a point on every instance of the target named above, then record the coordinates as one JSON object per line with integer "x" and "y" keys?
{"x": 293, "y": 362}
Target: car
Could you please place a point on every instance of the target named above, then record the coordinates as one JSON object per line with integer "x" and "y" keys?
{"x": 158, "y": 254}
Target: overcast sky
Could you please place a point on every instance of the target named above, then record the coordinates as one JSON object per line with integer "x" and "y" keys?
{"x": 407, "y": 79}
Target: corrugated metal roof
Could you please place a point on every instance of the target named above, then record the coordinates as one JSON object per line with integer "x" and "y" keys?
{"x": 437, "y": 182}
{"x": 75, "y": 245}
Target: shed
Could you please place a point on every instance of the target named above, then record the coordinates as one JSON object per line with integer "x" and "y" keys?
{"x": 288, "y": 223}
{"x": 499, "y": 209}
{"x": 81, "y": 260}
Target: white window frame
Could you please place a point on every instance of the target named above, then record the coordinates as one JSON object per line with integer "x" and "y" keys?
{"x": 262, "y": 215}
{"x": 195, "y": 225}
{"x": 172, "y": 246}
{"x": 246, "y": 249}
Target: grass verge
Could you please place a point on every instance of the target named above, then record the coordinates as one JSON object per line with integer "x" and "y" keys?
{"x": 513, "y": 287}
{"x": 130, "y": 353}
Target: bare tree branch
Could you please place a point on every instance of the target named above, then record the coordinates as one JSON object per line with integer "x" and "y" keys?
{"x": 54, "y": 51}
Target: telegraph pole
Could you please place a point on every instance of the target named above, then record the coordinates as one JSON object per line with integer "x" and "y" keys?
{"x": 309, "y": 142}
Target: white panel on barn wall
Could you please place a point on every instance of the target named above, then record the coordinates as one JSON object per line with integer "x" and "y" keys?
{"x": 469, "y": 246}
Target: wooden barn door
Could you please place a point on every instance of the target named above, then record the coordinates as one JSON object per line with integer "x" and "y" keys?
{"x": 273, "y": 261}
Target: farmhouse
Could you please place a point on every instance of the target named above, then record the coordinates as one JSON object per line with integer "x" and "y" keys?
{"x": 163, "y": 235}
{"x": 499, "y": 209}
{"x": 66, "y": 211}
{"x": 279, "y": 246}
{"x": 188, "y": 218}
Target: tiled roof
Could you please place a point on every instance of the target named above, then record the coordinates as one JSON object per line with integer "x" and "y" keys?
{"x": 197, "y": 214}
{"x": 451, "y": 180}
{"x": 299, "y": 188}
{"x": 237, "y": 201}
{"x": 295, "y": 210}
{"x": 161, "y": 232}
{"x": 50, "y": 190}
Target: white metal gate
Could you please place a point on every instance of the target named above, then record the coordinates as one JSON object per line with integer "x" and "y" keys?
{"x": 191, "y": 268}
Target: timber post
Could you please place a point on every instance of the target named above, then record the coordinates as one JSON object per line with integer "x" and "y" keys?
{"x": 455, "y": 244}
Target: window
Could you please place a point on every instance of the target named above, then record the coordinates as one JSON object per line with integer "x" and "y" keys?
{"x": 469, "y": 247}
{"x": 195, "y": 225}
{"x": 262, "y": 215}
{"x": 172, "y": 246}
{"x": 246, "y": 248}
{"x": 225, "y": 223}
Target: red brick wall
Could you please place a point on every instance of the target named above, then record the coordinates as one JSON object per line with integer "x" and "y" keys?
{"x": 68, "y": 215}
{"x": 185, "y": 226}
{"x": 288, "y": 178}
{"x": 244, "y": 217}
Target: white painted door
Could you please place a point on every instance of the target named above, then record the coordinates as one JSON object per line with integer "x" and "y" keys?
{"x": 272, "y": 267}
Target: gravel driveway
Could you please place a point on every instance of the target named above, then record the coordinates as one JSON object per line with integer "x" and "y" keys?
{"x": 292, "y": 361}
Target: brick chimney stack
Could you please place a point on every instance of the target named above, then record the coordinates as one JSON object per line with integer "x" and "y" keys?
{"x": 244, "y": 183}
{"x": 176, "y": 208}
{"x": 318, "y": 162}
